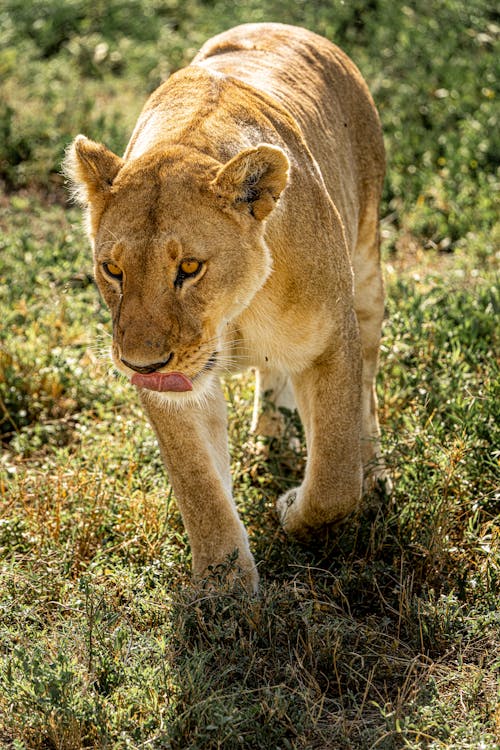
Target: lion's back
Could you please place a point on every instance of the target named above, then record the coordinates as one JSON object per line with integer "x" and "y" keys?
{"x": 326, "y": 95}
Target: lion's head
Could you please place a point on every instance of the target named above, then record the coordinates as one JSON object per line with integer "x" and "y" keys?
{"x": 179, "y": 251}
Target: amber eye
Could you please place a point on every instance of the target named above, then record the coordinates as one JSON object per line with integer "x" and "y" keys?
{"x": 190, "y": 267}
{"x": 112, "y": 270}
{"x": 187, "y": 268}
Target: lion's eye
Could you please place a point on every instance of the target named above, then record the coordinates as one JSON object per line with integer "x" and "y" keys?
{"x": 188, "y": 268}
{"x": 113, "y": 271}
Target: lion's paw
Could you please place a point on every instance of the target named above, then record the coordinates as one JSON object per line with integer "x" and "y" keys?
{"x": 290, "y": 512}
{"x": 378, "y": 481}
{"x": 302, "y": 514}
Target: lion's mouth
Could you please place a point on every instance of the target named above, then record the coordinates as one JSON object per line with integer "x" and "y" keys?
{"x": 164, "y": 382}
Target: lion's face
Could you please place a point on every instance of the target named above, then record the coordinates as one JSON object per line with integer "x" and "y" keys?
{"x": 174, "y": 269}
{"x": 179, "y": 253}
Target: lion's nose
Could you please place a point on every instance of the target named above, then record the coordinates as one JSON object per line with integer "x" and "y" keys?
{"x": 146, "y": 369}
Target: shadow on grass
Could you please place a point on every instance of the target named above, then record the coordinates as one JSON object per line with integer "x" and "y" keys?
{"x": 330, "y": 656}
{"x": 303, "y": 667}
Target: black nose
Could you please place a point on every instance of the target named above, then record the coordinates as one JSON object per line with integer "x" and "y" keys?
{"x": 145, "y": 369}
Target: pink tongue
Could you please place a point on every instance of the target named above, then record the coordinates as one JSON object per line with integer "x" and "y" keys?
{"x": 162, "y": 381}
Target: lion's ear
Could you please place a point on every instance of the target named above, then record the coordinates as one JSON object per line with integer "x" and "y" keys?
{"x": 90, "y": 168}
{"x": 253, "y": 180}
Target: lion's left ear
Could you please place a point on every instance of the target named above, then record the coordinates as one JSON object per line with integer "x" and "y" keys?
{"x": 253, "y": 180}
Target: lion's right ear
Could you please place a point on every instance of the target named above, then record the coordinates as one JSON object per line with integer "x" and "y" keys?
{"x": 90, "y": 169}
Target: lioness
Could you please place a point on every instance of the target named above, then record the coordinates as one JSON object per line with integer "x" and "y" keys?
{"x": 240, "y": 229}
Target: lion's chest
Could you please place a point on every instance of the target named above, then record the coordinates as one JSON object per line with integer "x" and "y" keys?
{"x": 288, "y": 340}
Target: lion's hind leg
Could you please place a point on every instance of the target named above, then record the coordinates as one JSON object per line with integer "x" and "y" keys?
{"x": 369, "y": 307}
{"x": 273, "y": 396}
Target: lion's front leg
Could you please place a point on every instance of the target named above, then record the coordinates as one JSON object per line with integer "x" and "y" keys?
{"x": 329, "y": 399}
{"x": 193, "y": 443}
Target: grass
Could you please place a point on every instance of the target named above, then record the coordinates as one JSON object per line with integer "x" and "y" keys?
{"x": 383, "y": 635}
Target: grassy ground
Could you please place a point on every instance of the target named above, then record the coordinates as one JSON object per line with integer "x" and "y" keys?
{"x": 385, "y": 634}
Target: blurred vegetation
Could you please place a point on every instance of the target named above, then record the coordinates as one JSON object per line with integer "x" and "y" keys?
{"x": 384, "y": 635}
{"x": 75, "y": 65}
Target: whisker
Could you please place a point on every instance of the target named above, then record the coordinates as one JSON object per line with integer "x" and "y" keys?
{"x": 100, "y": 347}
{"x": 113, "y": 235}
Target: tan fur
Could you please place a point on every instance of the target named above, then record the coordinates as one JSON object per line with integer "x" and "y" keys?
{"x": 264, "y": 161}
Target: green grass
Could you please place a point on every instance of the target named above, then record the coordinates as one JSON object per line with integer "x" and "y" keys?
{"x": 385, "y": 634}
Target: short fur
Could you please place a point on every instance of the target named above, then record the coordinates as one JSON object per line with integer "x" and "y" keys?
{"x": 264, "y": 161}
